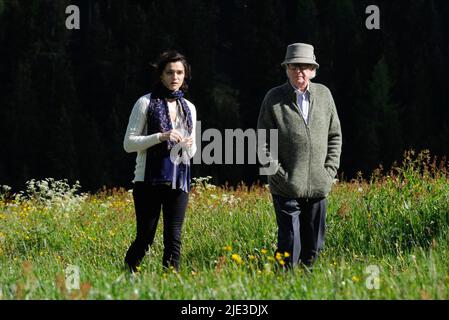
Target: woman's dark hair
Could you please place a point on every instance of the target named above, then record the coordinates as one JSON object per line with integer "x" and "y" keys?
{"x": 172, "y": 56}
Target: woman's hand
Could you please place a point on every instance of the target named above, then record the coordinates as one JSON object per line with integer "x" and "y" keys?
{"x": 171, "y": 135}
{"x": 188, "y": 142}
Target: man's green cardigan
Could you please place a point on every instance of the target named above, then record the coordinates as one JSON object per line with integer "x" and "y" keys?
{"x": 308, "y": 154}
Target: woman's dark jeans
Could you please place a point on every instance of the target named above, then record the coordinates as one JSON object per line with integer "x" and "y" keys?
{"x": 148, "y": 201}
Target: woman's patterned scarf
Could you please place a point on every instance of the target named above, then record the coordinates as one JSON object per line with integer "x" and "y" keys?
{"x": 158, "y": 114}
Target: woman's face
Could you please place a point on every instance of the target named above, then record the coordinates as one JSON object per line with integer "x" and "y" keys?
{"x": 173, "y": 75}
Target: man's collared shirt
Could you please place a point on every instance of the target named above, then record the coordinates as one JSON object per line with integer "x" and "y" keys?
{"x": 303, "y": 101}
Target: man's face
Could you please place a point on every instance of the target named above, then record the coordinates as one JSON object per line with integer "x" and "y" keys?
{"x": 299, "y": 74}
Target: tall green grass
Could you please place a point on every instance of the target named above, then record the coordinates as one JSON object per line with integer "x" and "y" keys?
{"x": 396, "y": 222}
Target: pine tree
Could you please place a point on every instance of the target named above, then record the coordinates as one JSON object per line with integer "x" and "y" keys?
{"x": 388, "y": 125}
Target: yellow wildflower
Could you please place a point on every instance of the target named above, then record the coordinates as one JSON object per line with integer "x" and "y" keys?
{"x": 263, "y": 251}
{"x": 355, "y": 279}
{"x": 251, "y": 257}
{"x": 286, "y": 254}
{"x": 279, "y": 256}
{"x": 237, "y": 258}
{"x": 227, "y": 248}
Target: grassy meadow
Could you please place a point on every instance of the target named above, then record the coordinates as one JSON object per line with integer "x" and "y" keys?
{"x": 387, "y": 238}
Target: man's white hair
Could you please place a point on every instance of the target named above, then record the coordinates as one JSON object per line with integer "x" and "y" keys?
{"x": 313, "y": 75}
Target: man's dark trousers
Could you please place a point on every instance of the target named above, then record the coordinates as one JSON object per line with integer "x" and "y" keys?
{"x": 301, "y": 227}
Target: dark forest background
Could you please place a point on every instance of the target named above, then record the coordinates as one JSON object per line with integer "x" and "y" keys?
{"x": 66, "y": 95}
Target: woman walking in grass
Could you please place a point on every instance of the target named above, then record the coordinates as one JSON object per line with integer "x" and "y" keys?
{"x": 161, "y": 130}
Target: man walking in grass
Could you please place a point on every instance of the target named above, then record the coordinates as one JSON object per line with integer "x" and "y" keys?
{"x": 309, "y": 148}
